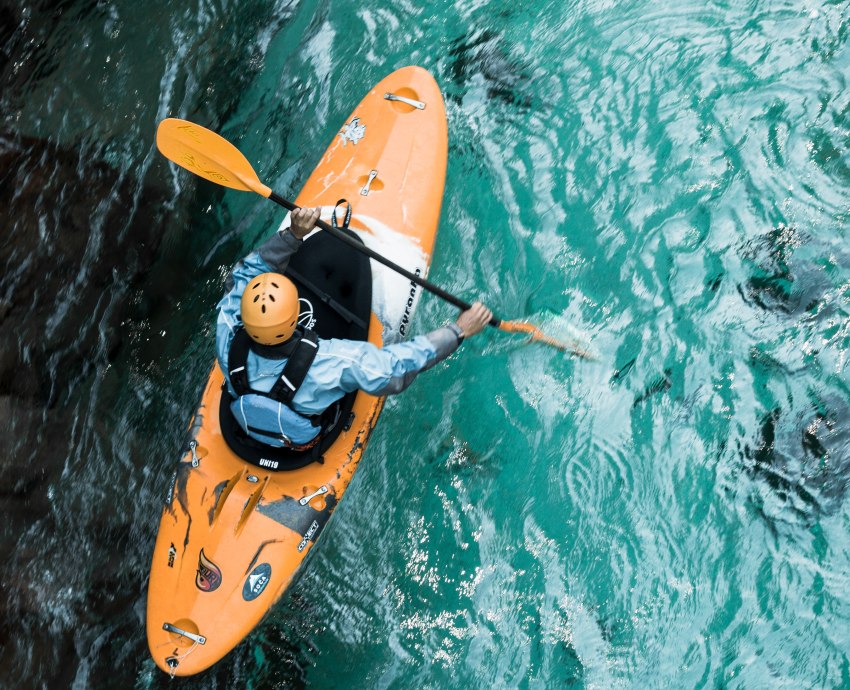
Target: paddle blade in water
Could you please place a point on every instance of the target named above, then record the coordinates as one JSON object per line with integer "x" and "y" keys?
{"x": 539, "y": 336}
{"x": 208, "y": 155}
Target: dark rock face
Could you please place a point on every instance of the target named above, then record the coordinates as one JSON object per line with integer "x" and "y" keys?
{"x": 72, "y": 245}
{"x": 98, "y": 262}
{"x": 72, "y": 248}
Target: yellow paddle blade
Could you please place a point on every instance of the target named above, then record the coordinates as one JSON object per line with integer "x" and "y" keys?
{"x": 538, "y": 336}
{"x": 207, "y": 155}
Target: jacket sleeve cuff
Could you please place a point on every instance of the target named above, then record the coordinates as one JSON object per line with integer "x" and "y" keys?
{"x": 278, "y": 249}
{"x": 445, "y": 341}
{"x": 457, "y": 330}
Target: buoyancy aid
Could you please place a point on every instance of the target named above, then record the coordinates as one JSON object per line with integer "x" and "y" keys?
{"x": 269, "y": 417}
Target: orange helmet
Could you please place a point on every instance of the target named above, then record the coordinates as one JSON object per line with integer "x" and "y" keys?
{"x": 270, "y": 308}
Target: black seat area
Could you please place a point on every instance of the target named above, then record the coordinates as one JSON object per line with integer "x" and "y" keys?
{"x": 336, "y": 282}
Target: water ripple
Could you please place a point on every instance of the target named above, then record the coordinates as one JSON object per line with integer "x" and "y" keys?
{"x": 667, "y": 182}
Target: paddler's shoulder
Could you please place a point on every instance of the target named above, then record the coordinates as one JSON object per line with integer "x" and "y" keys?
{"x": 330, "y": 348}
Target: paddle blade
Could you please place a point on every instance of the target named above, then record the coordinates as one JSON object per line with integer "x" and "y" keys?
{"x": 539, "y": 336}
{"x": 207, "y": 155}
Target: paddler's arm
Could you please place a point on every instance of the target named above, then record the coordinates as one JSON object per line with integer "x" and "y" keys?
{"x": 279, "y": 248}
{"x": 390, "y": 370}
{"x": 272, "y": 256}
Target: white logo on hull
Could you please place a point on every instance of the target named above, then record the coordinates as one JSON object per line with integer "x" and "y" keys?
{"x": 314, "y": 527}
{"x": 306, "y": 318}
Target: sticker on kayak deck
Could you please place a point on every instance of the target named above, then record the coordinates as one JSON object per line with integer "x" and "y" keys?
{"x": 353, "y": 132}
{"x": 256, "y": 582}
{"x": 209, "y": 574}
{"x": 172, "y": 552}
{"x": 314, "y": 527}
{"x": 305, "y": 316}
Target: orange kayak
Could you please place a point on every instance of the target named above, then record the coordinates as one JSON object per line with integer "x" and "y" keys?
{"x": 235, "y": 529}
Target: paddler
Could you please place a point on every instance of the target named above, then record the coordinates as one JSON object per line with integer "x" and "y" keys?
{"x": 281, "y": 377}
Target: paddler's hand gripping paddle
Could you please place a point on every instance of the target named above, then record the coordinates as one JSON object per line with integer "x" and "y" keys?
{"x": 212, "y": 157}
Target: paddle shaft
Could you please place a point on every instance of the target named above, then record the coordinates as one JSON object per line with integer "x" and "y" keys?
{"x": 212, "y": 157}
{"x": 363, "y": 249}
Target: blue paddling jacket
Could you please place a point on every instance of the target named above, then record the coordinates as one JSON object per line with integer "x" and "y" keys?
{"x": 339, "y": 367}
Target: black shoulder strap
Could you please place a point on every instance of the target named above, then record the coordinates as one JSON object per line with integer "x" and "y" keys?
{"x": 293, "y": 373}
{"x": 296, "y": 368}
{"x": 237, "y": 362}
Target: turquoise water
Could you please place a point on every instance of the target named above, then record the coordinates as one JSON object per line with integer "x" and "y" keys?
{"x": 667, "y": 181}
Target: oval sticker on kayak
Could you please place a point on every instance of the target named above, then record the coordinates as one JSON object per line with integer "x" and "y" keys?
{"x": 256, "y": 582}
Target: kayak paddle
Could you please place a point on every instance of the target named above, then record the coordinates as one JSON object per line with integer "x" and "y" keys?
{"x": 212, "y": 157}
